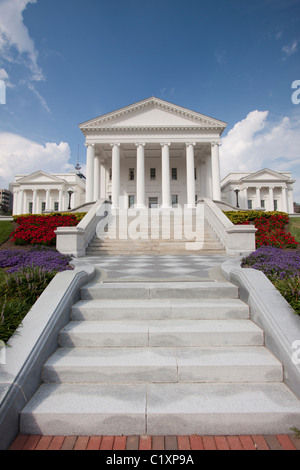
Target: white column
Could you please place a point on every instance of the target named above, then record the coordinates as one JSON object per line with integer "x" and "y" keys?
{"x": 34, "y": 202}
{"x": 258, "y": 203}
{"x": 89, "y": 195}
{"x": 271, "y": 198}
{"x": 190, "y": 174}
{"x": 115, "y": 174}
{"x": 215, "y": 171}
{"x": 165, "y": 175}
{"x": 140, "y": 175}
{"x": 96, "y": 178}
{"x": 284, "y": 199}
{"x": 47, "y": 207}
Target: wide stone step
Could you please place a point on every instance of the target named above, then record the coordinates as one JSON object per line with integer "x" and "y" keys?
{"x": 161, "y": 333}
{"x": 161, "y": 409}
{"x": 160, "y": 290}
{"x": 159, "y": 309}
{"x": 117, "y": 365}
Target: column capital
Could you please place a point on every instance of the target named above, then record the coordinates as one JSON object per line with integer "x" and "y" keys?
{"x": 216, "y": 143}
{"x": 165, "y": 143}
{"x": 138, "y": 144}
{"x": 89, "y": 144}
{"x": 187, "y": 144}
{"x": 115, "y": 144}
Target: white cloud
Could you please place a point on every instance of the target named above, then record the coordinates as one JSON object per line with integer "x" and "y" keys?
{"x": 14, "y": 34}
{"x": 19, "y": 155}
{"x": 290, "y": 50}
{"x": 256, "y": 143}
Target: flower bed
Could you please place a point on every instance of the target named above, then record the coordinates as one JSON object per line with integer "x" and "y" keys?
{"x": 282, "y": 268}
{"x": 270, "y": 227}
{"x": 26, "y": 275}
{"x": 41, "y": 257}
{"x": 40, "y": 229}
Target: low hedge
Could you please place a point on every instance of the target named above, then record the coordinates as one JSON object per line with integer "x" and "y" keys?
{"x": 271, "y": 227}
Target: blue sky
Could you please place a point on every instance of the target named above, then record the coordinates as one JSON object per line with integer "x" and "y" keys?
{"x": 67, "y": 61}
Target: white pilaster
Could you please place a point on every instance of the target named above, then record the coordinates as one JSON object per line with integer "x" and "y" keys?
{"x": 89, "y": 197}
{"x": 34, "y": 202}
{"x": 96, "y": 178}
{"x": 290, "y": 201}
{"x": 15, "y": 203}
{"x": 190, "y": 174}
{"x": 115, "y": 174}
{"x": 165, "y": 174}
{"x": 47, "y": 199}
{"x": 102, "y": 180}
{"x": 60, "y": 200}
{"x": 258, "y": 198}
{"x": 215, "y": 171}
{"x": 20, "y": 201}
{"x": 271, "y": 198}
{"x": 140, "y": 175}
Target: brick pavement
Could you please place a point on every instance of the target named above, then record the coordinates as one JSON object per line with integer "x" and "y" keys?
{"x": 174, "y": 443}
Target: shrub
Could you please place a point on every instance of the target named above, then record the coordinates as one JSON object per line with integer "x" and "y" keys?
{"x": 40, "y": 229}
{"x": 12, "y": 313}
{"x": 270, "y": 227}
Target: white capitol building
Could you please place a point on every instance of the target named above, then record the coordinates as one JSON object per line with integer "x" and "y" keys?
{"x": 148, "y": 154}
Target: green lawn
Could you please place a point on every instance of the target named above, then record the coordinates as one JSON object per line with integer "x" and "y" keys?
{"x": 294, "y": 228}
{"x": 5, "y": 230}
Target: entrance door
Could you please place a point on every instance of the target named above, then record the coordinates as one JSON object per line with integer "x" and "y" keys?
{"x": 153, "y": 202}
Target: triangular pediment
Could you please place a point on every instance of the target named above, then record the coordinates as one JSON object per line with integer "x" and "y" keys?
{"x": 152, "y": 113}
{"x": 266, "y": 174}
{"x": 39, "y": 177}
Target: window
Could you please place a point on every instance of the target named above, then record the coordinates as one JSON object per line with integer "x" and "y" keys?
{"x": 30, "y": 207}
{"x": 174, "y": 199}
{"x": 262, "y": 203}
{"x": 56, "y": 206}
{"x": 249, "y": 203}
{"x": 130, "y": 200}
{"x": 195, "y": 173}
{"x": 131, "y": 174}
{"x": 174, "y": 174}
{"x": 152, "y": 173}
{"x": 110, "y": 174}
{"x": 275, "y": 204}
{"x": 153, "y": 202}
{"x": 43, "y": 206}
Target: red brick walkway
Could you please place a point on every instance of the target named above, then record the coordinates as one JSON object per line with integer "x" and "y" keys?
{"x": 181, "y": 443}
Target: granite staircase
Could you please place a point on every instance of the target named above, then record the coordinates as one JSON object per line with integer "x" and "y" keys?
{"x": 157, "y": 232}
{"x": 160, "y": 359}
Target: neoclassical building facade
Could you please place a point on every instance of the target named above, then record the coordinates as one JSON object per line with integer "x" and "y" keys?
{"x": 152, "y": 153}
{"x": 148, "y": 154}
{"x": 43, "y": 192}
{"x": 265, "y": 189}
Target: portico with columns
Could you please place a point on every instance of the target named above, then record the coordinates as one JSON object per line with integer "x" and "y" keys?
{"x": 152, "y": 153}
{"x": 265, "y": 189}
{"x": 42, "y": 192}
